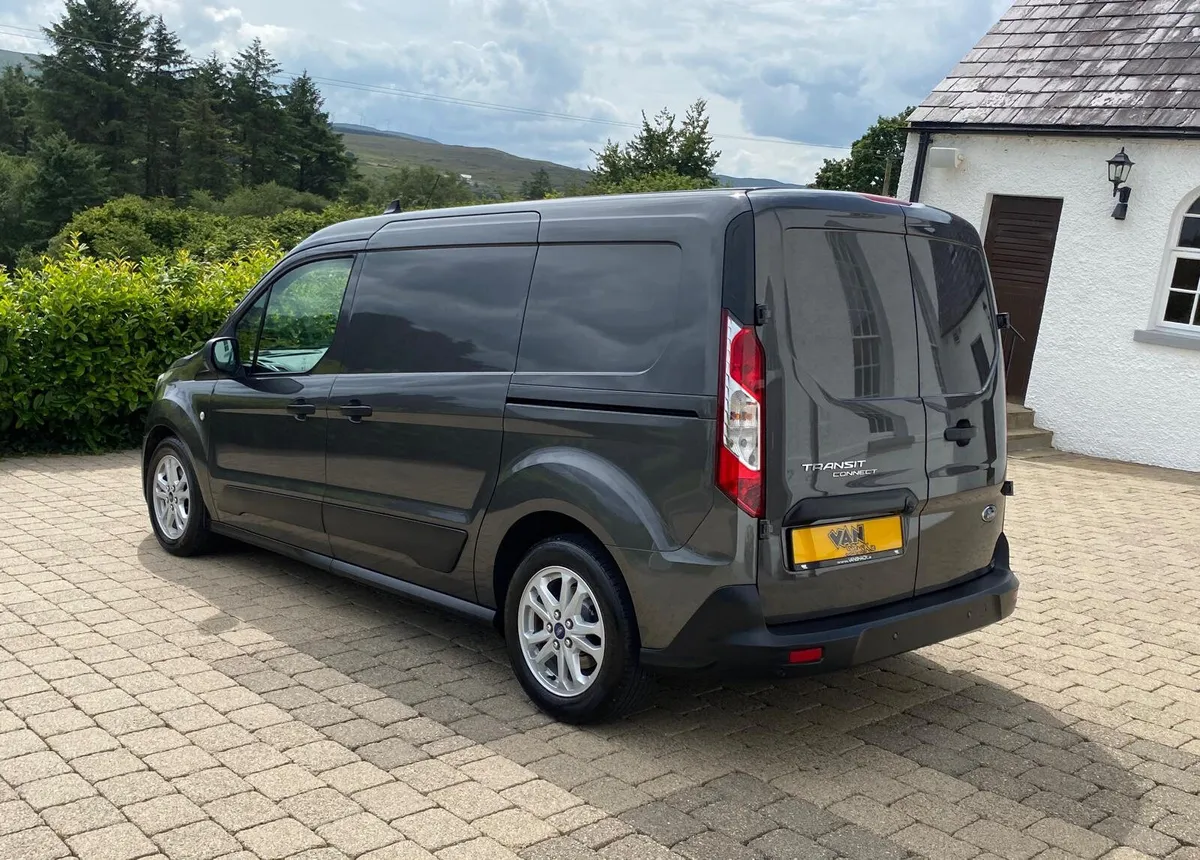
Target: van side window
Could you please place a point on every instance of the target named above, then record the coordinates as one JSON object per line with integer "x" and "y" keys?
{"x": 955, "y": 318}
{"x": 848, "y": 312}
{"x": 438, "y": 310}
{"x": 603, "y": 308}
{"x": 291, "y": 326}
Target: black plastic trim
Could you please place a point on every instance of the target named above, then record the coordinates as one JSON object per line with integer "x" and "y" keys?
{"x": 880, "y": 503}
{"x": 737, "y": 280}
{"x": 390, "y": 584}
{"x": 610, "y": 400}
{"x": 728, "y": 636}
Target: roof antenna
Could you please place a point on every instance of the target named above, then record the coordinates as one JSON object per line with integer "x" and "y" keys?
{"x": 392, "y": 208}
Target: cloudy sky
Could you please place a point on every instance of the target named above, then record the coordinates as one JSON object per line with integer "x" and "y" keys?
{"x": 811, "y": 72}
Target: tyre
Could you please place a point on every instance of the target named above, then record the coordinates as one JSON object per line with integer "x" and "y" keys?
{"x": 571, "y": 632}
{"x": 177, "y": 511}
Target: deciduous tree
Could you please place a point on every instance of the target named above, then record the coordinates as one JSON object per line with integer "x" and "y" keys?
{"x": 875, "y": 159}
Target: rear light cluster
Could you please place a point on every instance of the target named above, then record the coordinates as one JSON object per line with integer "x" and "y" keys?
{"x": 740, "y": 442}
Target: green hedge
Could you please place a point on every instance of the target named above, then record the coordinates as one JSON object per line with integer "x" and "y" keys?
{"x": 132, "y": 228}
{"x": 83, "y": 340}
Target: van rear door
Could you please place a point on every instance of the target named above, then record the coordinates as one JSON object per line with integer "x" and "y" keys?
{"x": 844, "y": 460}
{"x": 962, "y": 385}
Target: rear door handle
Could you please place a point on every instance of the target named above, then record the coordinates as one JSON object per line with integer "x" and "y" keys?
{"x": 356, "y": 412}
{"x": 301, "y": 409}
{"x": 961, "y": 433}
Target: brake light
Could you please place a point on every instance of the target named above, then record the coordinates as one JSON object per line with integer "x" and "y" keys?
{"x": 740, "y": 442}
{"x": 881, "y": 198}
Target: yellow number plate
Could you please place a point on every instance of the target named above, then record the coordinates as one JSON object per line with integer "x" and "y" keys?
{"x": 847, "y": 543}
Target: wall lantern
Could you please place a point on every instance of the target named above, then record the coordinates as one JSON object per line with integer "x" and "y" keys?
{"x": 1118, "y": 172}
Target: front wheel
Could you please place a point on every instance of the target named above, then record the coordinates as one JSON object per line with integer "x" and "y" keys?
{"x": 177, "y": 511}
{"x": 571, "y": 632}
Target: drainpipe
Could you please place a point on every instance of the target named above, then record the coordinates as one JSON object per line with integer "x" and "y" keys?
{"x": 914, "y": 194}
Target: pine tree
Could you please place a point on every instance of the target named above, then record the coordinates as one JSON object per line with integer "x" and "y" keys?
{"x": 317, "y": 161}
{"x": 67, "y": 178}
{"x": 209, "y": 155}
{"x": 257, "y": 114}
{"x": 538, "y": 186}
{"x": 160, "y": 86}
{"x": 87, "y": 87}
{"x": 16, "y": 111}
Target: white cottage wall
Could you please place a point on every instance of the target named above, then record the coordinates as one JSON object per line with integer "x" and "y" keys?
{"x": 1100, "y": 391}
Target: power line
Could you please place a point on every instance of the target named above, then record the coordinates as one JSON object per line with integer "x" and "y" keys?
{"x": 379, "y": 89}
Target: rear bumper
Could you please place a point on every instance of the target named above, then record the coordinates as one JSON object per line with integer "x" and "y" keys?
{"x": 728, "y": 636}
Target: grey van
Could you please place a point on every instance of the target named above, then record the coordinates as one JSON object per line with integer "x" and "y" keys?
{"x": 729, "y": 431}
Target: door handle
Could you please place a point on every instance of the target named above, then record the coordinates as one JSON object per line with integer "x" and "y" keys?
{"x": 356, "y": 412}
{"x": 301, "y": 409}
{"x": 961, "y": 433}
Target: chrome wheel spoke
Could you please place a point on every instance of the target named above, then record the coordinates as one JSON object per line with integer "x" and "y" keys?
{"x": 543, "y": 654}
{"x": 586, "y": 628}
{"x": 573, "y": 672}
{"x": 589, "y": 647}
{"x": 537, "y": 637}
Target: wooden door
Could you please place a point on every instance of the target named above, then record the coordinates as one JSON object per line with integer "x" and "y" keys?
{"x": 1020, "y": 247}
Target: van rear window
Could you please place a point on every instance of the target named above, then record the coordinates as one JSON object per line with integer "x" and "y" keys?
{"x": 956, "y": 320}
{"x": 847, "y": 312}
{"x": 603, "y": 308}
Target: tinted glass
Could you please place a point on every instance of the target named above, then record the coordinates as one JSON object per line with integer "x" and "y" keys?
{"x": 442, "y": 310}
{"x": 606, "y": 308}
{"x": 849, "y": 313}
{"x": 955, "y": 317}
{"x": 301, "y": 316}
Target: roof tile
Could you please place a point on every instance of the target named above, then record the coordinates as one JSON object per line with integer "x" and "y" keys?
{"x": 1078, "y": 62}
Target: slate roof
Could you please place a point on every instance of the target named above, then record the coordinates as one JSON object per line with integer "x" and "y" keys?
{"x": 1078, "y": 63}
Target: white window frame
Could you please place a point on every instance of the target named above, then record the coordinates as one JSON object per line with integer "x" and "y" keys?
{"x": 1175, "y": 252}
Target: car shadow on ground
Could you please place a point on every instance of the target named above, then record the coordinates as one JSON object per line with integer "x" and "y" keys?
{"x": 868, "y": 761}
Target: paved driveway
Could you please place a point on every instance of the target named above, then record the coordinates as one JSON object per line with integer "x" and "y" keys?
{"x": 241, "y": 705}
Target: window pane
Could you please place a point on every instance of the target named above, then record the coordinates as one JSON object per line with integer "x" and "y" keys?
{"x": 439, "y": 310}
{"x": 1186, "y": 275}
{"x": 600, "y": 308}
{"x": 1179, "y": 307}
{"x": 246, "y": 331}
{"x": 847, "y": 315}
{"x": 1189, "y": 233}
{"x": 955, "y": 316}
{"x": 1195, "y": 208}
{"x": 302, "y": 314}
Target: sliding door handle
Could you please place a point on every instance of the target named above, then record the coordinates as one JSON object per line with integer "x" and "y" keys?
{"x": 356, "y": 412}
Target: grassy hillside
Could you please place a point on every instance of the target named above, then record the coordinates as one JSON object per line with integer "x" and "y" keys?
{"x": 489, "y": 167}
{"x": 381, "y": 150}
{"x": 13, "y": 58}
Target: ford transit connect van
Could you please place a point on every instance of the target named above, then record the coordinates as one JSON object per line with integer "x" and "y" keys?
{"x": 730, "y": 431}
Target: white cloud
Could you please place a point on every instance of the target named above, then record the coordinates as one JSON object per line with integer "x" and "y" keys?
{"x": 817, "y": 71}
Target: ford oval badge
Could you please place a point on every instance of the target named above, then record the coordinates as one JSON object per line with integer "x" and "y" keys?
{"x": 989, "y": 513}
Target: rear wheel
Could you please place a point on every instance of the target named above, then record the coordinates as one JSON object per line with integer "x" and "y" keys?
{"x": 177, "y": 511}
{"x": 571, "y": 633}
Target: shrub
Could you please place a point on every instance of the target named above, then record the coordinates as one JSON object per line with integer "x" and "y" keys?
{"x": 270, "y": 199}
{"x": 83, "y": 340}
{"x": 132, "y": 228}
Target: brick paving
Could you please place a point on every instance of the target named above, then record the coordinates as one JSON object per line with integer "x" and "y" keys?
{"x": 241, "y": 705}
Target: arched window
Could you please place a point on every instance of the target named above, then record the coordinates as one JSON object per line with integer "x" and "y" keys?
{"x": 1182, "y": 305}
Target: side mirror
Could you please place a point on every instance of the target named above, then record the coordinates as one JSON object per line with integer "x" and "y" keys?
{"x": 221, "y": 354}
{"x": 1003, "y": 321}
